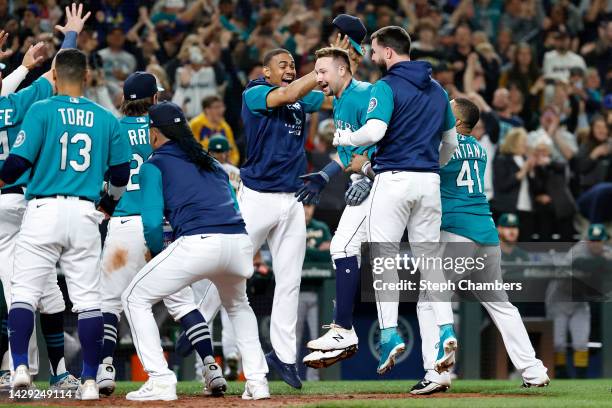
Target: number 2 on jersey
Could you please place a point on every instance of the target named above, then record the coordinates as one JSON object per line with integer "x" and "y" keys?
{"x": 134, "y": 171}
{"x": 464, "y": 179}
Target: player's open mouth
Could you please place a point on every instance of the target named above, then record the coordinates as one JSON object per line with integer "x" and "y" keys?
{"x": 324, "y": 87}
{"x": 286, "y": 81}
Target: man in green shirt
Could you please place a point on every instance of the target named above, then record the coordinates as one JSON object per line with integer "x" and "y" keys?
{"x": 508, "y": 230}
{"x": 318, "y": 238}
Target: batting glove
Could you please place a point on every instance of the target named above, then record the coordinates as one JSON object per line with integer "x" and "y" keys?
{"x": 314, "y": 183}
{"x": 358, "y": 192}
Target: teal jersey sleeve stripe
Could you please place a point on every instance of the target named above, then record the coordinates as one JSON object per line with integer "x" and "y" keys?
{"x": 255, "y": 98}
{"x": 152, "y": 198}
{"x": 381, "y": 102}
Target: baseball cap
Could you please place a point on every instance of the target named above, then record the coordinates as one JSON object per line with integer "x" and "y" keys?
{"x": 597, "y": 232}
{"x": 353, "y": 28}
{"x": 34, "y": 9}
{"x": 218, "y": 143}
{"x": 140, "y": 85}
{"x": 508, "y": 220}
{"x": 165, "y": 113}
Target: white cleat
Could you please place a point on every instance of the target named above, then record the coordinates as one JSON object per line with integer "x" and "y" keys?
{"x": 336, "y": 338}
{"x": 214, "y": 383}
{"x": 324, "y": 359}
{"x": 106, "y": 379}
{"x": 447, "y": 360}
{"x": 541, "y": 381}
{"x": 21, "y": 378}
{"x": 5, "y": 381}
{"x": 88, "y": 391}
{"x": 154, "y": 390}
{"x": 256, "y": 390}
{"x": 67, "y": 383}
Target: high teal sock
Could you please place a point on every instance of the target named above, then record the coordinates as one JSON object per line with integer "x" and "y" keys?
{"x": 385, "y": 334}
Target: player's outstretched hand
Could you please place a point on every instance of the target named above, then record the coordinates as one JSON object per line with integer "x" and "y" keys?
{"x": 358, "y": 192}
{"x": 74, "y": 19}
{"x": 9, "y": 51}
{"x": 34, "y": 55}
{"x": 313, "y": 184}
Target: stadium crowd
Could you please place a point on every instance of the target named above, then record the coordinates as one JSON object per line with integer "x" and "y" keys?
{"x": 539, "y": 71}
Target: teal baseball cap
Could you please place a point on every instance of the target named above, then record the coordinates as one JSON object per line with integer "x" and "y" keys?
{"x": 508, "y": 220}
{"x": 218, "y": 144}
{"x": 597, "y": 232}
{"x": 352, "y": 27}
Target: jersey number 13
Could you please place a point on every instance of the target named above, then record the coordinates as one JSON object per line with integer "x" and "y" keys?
{"x": 84, "y": 152}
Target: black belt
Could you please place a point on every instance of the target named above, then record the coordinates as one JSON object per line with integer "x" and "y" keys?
{"x": 12, "y": 190}
{"x": 63, "y": 196}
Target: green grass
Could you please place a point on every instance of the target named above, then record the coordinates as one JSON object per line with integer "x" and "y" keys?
{"x": 492, "y": 393}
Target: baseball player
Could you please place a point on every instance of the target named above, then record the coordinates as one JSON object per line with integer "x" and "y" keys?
{"x": 13, "y": 204}
{"x": 334, "y": 76}
{"x": 274, "y": 111}
{"x": 125, "y": 247}
{"x": 590, "y": 256}
{"x": 408, "y": 118}
{"x": 69, "y": 142}
{"x": 183, "y": 182}
{"x": 219, "y": 148}
{"x": 466, "y": 220}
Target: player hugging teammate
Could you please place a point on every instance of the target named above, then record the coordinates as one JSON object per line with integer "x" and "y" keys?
{"x": 398, "y": 136}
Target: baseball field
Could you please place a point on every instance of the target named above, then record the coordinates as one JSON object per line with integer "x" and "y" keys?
{"x": 374, "y": 394}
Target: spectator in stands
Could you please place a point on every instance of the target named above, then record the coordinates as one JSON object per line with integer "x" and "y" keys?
{"x": 118, "y": 63}
{"x": 558, "y": 62}
{"x": 522, "y": 18}
{"x": 511, "y": 168}
{"x": 219, "y": 148}
{"x": 211, "y": 122}
{"x": 595, "y": 156}
{"x": 553, "y": 204}
{"x": 507, "y": 119}
{"x": 460, "y": 51}
{"x": 508, "y": 231}
{"x": 523, "y": 73}
{"x": 562, "y": 143}
{"x": 196, "y": 79}
{"x": 427, "y": 47}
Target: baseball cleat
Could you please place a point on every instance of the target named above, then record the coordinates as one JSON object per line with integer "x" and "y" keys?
{"x": 154, "y": 390}
{"x": 106, "y": 379}
{"x": 214, "y": 383}
{"x": 323, "y": 359}
{"x": 256, "y": 390}
{"x": 21, "y": 378}
{"x": 65, "y": 382}
{"x": 231, "y": 364}
{"x": 446, "y": 349}
{"x": 426, "y": 387}
{"x": 336, "y": 338}
{"x": 288, "y": 372}
{"x": 538, "y": 382}
{"x": 5, "y": 381}
{"x": 88, "y": 391}
{"x": 389, "y": 351}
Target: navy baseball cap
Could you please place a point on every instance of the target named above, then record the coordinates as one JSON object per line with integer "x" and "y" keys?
{"x": 353, "y": 28}
{"x": 140, "y": 85}
{"x": 218, "y": 143}
{"x": 164, "y": 114}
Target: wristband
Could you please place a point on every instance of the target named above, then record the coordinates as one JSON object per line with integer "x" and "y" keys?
{"x": 367, "y": 166}
{"x": 70, "y": 40}
{"x": 330, "y": 170}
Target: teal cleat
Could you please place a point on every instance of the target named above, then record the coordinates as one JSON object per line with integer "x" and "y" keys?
{"x": 446, "y": 349}
{"x": 391, "y": 346}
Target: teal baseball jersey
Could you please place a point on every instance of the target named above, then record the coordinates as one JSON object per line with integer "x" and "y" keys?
{"x": 350, "y": 112}
{"x": 70, "y": 142}
{"x": 465, "y": 209}
{"x": 136, "y": 129}
{"x": 12, "y": 111}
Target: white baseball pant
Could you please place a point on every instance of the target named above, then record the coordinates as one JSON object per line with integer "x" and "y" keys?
{"x": 123, "y": 256}
{"x": 279, "y": 219}
{"x": 225, "y": 259}
{"x": 12, "y": 209}
{"x": 575, "y": 316}
{"x": 400, "y": 200}
{"x": 505, "y": 316}
{"x": 351, "y": 231}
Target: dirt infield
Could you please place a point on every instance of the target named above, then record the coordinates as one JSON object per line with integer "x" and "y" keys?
{"x": 194, "y": 401}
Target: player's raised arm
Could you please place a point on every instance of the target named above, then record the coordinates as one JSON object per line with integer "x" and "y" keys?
{"x": 449, "y": 142}
{"x": 30, "y": 60}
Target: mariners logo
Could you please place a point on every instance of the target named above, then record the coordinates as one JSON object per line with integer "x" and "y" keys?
{"x": 372, "y": 105}
{"x": 21, "y": 137}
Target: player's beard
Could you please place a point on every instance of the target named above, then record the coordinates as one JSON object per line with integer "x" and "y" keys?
{"x": 382, "y": 66}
